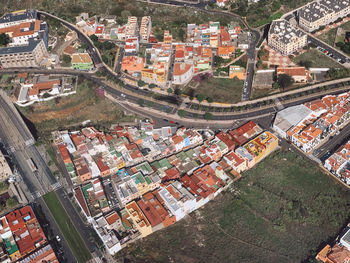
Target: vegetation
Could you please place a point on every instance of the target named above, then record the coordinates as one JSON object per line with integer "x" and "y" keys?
{"x": 66, "y": 60}
{"x": 3, "y": 186}
{"x": 334, "y": 73}
{"x": 208, "y": 116}
{"x": 317, "y": 59}
{"x": 4, "y": 39}
{"x": 259, "y": 13}
{"x": 69, "y": 112}
{"x": 282, "y": 210}
{"x": 107, "y": 48}
{"x": 71, "y": 235}
{"x": 181, "y": 113}
{"x": 284, "y": 81}
{"x": 220, "y": 89}
{"x": 11, "y": 202}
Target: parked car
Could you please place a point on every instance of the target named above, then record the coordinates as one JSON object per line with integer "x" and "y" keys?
{"x": 58, "y": 238}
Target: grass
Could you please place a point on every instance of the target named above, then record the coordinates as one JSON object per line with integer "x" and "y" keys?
{"x": 282, "y": 210}
{"x": 268, "y": 20}
{"x": 220, "y": 89}
{"x": 70, "y": 111}
{"x": 260, "y": 93}
{"x": 329, "y": 36}
{"x": 317, "y": 59}
{"x": 71, "y": 235}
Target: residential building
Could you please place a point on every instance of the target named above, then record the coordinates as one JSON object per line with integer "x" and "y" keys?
{"x": 226, "y": 52}
{"x": 182, "y": 73}
{"x": 299, "y": 74}
{"x": 139, "y": 219}
{"x": 28, "y": 39}
{"x": 146, "y": 28}
{"x": 237, "y": 72}
{"x": 43, "y": 254}
{"x": 285, "y": 38}
{"x": 82, "y": 61}
{"x": 322, "y": 12}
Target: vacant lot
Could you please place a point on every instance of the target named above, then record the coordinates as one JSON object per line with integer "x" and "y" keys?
{"x": 77, "y": 245}
{"x": 280, "y": 211}
{"x": 317, "y": 59}
{"x": 330, "y": 37}
{"x": 219, "y": 89}
{"x": 72, "y": 110}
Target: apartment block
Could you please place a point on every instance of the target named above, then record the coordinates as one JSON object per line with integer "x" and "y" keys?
{"x": 145, "y": 29}
{"x": 285, "y": 38}
{"x": 28, "y": 39}
{"x": 322, "y": 12}
{"x": 5, "y": 170}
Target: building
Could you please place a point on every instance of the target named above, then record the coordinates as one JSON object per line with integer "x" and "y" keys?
{"x": 221, "y": 3}
{"x": 285, "y": 38}
{"x": 299, "y": 74}
{"x": 139, "y": 219}
{"x": 237, "y": 72}
{"x": 289, "y": 117}
{"x": 133, "y": 64}
{"x": 44, "y": 254}
{"x": 339, "y": 252}
{"x": 262, "y": 145}
{"x": 5, "y": 170}
{"x": 226, "y": 52}
{"x": 28, "y": 39}
{"x": 145, "y": 29}
{"x": 82, "y": 61}
{"x": 322, "y": 12}
{"x": 183, "y": 73}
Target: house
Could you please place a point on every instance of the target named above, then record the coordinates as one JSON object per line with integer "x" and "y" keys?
{"x": 139, "y": 219}
{"x": 299, "y": 74}
{"x": 82, "y": 61}
{"x": 221, "y": 3}
{"x": 237, "y": 72}
{"x": 183, "y": 73}
{"x": 226, "y": 52}
{"x": 133, "y": 64}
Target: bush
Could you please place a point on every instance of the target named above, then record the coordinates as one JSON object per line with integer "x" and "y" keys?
{"x": 181, "y": 113}
{"x": 169, "y": 90}
{"x": 141, "y": 83}
{"x": 152, "y": 86}
{"x": 46, "y": 95}
{"x": 11, "y": 202}
{"x": 210, "y": 99}
{"x": 66, "y": 59}
{"x": 200, "y": 97}
{"x": 208, "y": 116}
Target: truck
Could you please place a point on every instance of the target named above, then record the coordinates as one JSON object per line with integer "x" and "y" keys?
{"x": 32, "y": 165}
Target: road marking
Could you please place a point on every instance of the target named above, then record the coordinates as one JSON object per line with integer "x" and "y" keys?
{"x": 279, "y": 104}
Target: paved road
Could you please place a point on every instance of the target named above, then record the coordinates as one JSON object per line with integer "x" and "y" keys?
{"x": 333, "y": 143}
{"x": 66, "y": 255}
{"x": 336, "y": 55}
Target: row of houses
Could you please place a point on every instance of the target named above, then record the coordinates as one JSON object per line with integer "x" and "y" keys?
{"x": 153, "y": 195}
{"x": 22, "y": 238}
{"x": 91, "y": 153}
{"x": 312, "y": 123}
{"x": 339, "y": 163}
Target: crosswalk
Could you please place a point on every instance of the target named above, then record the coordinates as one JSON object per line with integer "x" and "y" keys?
{"x": 55, "y": 186}
{"x": 279, "y": 104}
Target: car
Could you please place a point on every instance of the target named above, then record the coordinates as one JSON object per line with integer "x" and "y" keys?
{"x": 58, "y": 238}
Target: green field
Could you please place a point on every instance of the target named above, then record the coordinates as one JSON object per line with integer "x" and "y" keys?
{"x": 329, "y": 36}
{"x": 219, "y": 89}
{"x": 71, "y": 235}
{"x": 317, "y": 59}
{"x": 282, "y": 210}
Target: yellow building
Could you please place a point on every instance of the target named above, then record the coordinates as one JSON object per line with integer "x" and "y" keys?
{"x": 139, "y": 219}
{"x": 262, "y": 145}
{"x": 153, "y": 76}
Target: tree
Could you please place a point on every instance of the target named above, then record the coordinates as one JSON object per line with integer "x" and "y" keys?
{"x": 4, "y": 39}
{"x": 181, "y": 113}
{"x": 11, "y": 202}
{"x": 178, "y": 91}
{"x": 208, "y": 116}
{"x": 66, "y": 59}
{"x": 191, "y": 97}
{"x": 169, "y": 90}
{"x": 210, "y": 99}
{"x": 94, "y": 38}
{"x": 152, "y": 86}
{"x": 105, "y": 59}
{"x": 258, "y": 64}
{"x": 3, "y": 186}
{"x": 141, "y": 83}
{"x": 140, "y": 102}
{"x": 305, "y": 63}
{"x": 284, "y": 81}
{"x": 200, "y": 97}
{"x": 46, "y": 95}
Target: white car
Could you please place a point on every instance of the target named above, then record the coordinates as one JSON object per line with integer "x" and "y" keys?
{"x": 58, "y": 238}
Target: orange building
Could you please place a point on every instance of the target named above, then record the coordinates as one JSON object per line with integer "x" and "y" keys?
{"x": 226, "y": 52}
{"x": 132, "y": 64}
{"x": 237, "y": 72}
